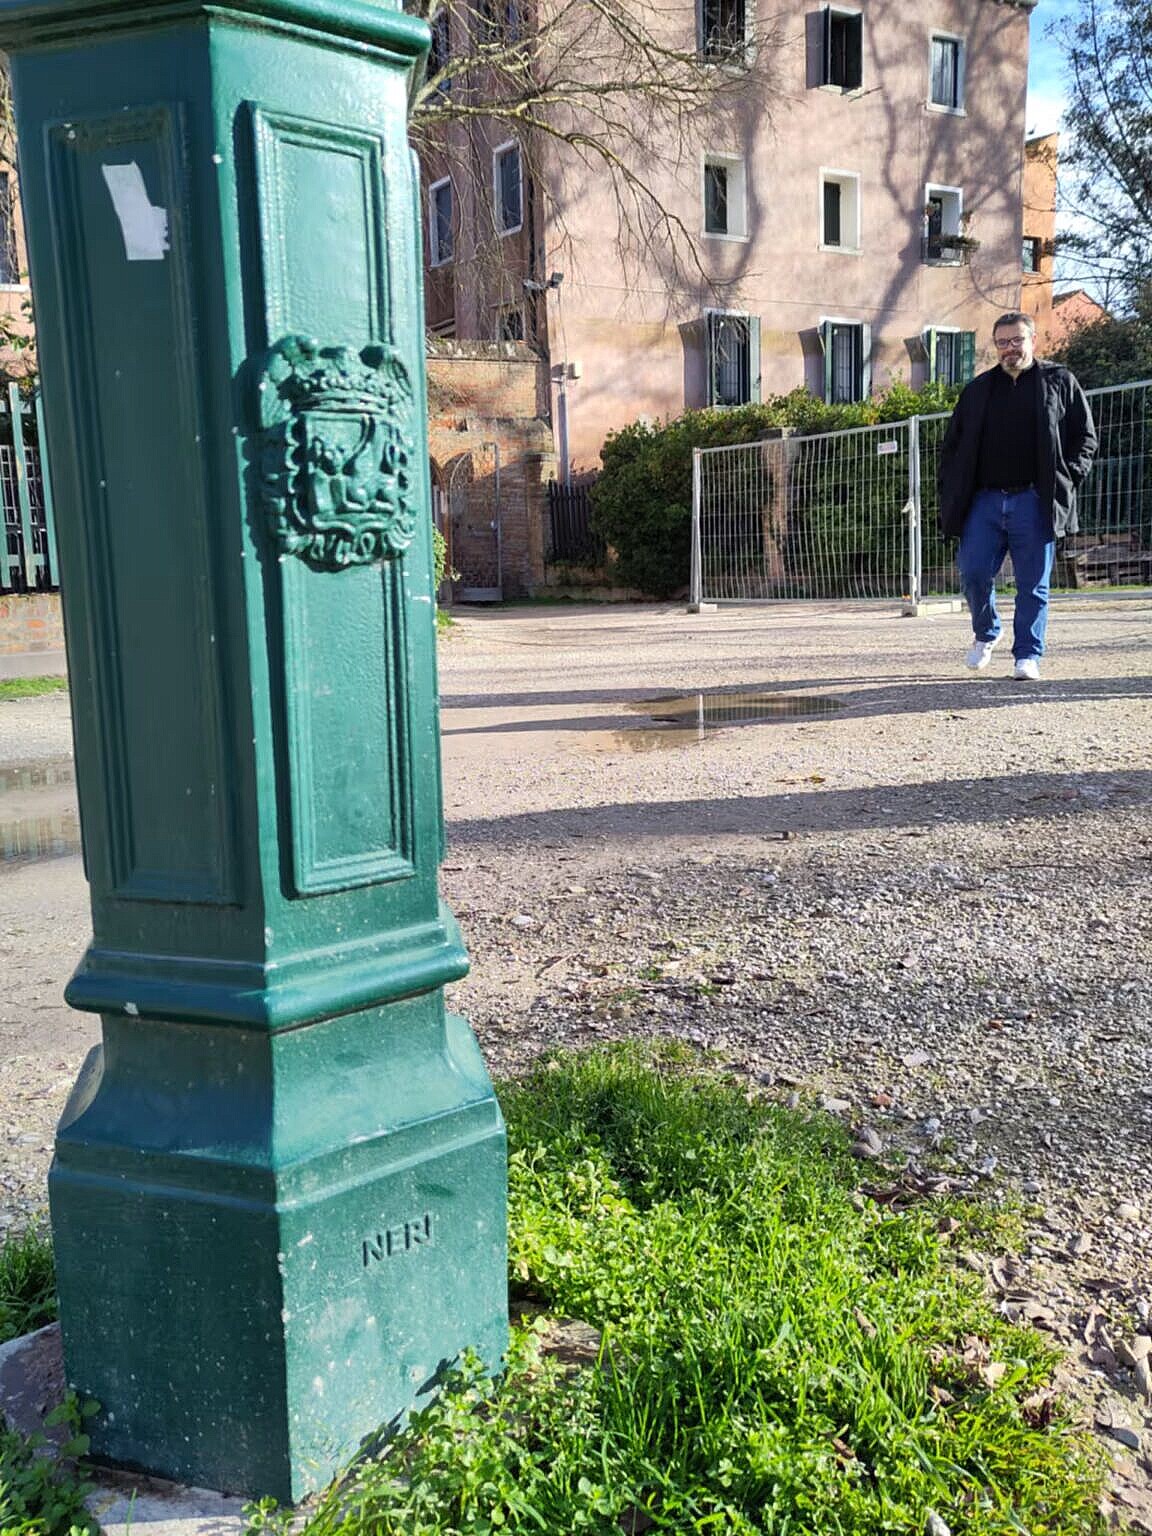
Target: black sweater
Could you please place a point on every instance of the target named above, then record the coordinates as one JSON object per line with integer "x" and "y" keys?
{"x": 1065, "y": 447}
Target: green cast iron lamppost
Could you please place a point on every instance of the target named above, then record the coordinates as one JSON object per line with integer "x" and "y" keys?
{"x": 278, "y": 1197}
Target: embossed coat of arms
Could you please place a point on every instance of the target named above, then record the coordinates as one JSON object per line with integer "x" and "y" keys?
{"x": 336, "y": 457}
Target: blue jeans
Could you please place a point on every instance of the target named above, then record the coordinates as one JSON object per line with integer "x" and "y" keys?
{"x": 1001, "y": 524}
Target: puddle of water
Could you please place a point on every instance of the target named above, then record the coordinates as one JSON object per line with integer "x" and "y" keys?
{"x": 41, "y": 775}
{"x": 718, "y": 709}
{"x": 680, "y": 720}
{"x": 38, "y": 815}
{"x": 40, "y": 837}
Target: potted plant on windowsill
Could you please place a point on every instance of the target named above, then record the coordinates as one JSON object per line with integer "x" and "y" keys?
{"x": 960, "y": 245}
{"x": 952, "y": 248}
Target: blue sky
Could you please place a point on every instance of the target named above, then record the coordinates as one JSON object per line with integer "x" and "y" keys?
{"x": 1045, "y": 67}
{"x": 1045, "y": 106}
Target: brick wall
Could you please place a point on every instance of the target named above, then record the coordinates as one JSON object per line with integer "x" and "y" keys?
{"x": 484, "y": 397}
{"x": 30, "y": 622}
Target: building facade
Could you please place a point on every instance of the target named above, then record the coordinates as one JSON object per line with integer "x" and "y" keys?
{"x": 857, "y": 219}
{"x": 1038, "y": 247}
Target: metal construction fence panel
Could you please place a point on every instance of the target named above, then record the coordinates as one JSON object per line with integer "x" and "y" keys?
{"x": 1113, "y": 546}
{"x": 853, "y": 514}
{"x": 820, "y": 516}
{"x": 28, "y": 549}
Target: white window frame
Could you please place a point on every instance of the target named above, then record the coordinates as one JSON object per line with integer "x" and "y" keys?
{"x": 737, "y": 170}
{"x": 927, "y": 335}
{"x": 738, "y": 56}
{"x": 866, "y": 343}
{"x": 497, "y": 196}
{"x": 441, "y": 49}
{"x": 850, "y": 211}
{"x": 951, "y": 221}
{"x": 436, "y": 257}
{"x": 938, "y": 35}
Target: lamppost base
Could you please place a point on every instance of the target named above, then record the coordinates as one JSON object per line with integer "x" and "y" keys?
{"x": 257, "y": 1270}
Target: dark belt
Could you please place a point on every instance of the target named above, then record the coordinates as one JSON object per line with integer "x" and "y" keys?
{"x": 1010, "y": 490}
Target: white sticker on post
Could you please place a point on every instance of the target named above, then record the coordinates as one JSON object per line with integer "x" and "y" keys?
{"x": 144, "y": 226}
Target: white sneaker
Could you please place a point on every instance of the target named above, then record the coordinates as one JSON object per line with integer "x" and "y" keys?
{"x": 1027, "y": 670}
{"x": 981, "y": 654}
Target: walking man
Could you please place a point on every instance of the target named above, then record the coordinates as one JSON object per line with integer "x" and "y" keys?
{"x": 1020, "y": 441}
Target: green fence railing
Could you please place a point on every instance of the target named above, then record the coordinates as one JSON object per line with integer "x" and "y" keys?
{"x": 28, "y": 561}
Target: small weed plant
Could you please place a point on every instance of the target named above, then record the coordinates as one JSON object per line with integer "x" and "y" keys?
{"x": 778, "y": 1356}
{"x": 40, "y": 1495}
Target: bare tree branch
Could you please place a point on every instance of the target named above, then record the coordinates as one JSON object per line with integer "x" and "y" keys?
{"x": 1108, "y": 158}
{"x": 623, "y": 90}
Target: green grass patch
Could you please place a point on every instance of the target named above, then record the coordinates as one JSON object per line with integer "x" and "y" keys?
{"x": 27, "y": 1283}
{"x": 779, "y": 1355}
{"x": 31, "y": 687}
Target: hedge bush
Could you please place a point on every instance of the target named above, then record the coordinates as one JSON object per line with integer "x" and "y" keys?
{"x": 643, "y": 498}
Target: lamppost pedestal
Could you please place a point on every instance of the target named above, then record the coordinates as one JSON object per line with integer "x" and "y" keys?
{"x": 278, "y": 1197}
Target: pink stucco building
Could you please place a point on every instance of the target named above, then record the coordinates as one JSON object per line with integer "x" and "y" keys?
{"x": 856, "y": 219}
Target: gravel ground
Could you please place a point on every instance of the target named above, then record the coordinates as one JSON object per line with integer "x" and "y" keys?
{"x": 925, "y": 906}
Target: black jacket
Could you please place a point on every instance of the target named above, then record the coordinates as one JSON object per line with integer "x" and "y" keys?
{"x": 1066, "y": 448}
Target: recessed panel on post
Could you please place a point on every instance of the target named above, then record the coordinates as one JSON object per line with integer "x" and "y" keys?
{"x": 336, "y": 411}
{"x": 319, "y": 197}
{"x": 116, "y": 186}
{"x": 344, "y": 643}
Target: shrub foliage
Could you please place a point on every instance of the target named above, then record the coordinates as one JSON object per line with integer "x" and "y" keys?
{"x": 643, "y": 498}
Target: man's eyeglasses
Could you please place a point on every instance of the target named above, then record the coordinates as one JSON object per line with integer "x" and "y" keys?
{"x": 1002, "y": 343}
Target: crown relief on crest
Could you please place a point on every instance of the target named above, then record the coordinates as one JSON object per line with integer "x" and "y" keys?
{"x": 337, "y": 454}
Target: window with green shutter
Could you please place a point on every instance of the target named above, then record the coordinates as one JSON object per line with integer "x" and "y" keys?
{"x": 951, "y": 355}
{"x": 847, "y": 360}
{"x": 733, "y": 342}
{"x": 967, "y": 356}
